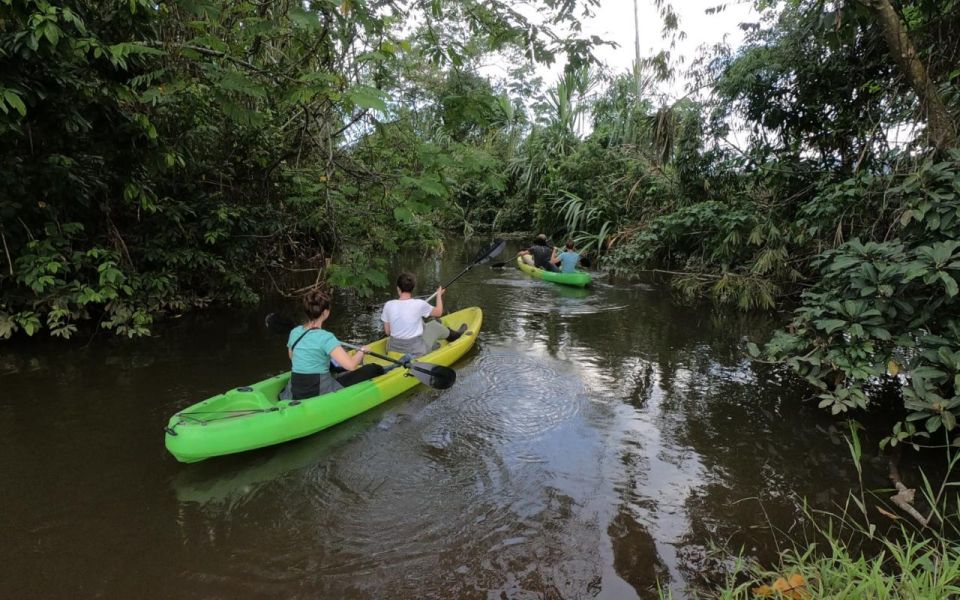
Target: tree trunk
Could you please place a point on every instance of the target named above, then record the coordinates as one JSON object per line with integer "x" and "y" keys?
{"x": 941, "y": 125}
{"x": 636, "y": 51}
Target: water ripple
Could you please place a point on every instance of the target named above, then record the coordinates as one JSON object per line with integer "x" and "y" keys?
{"x": 518, "y": 397}
{"x": 526, "y": 296}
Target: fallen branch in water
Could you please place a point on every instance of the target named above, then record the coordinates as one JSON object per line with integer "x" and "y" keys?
{"x": 904, "y": 499}
{"x": 905, "y": 496}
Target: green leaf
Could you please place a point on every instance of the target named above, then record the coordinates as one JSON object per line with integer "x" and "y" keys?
{"x": 29, "y": 321}
{"x": 237, "y": 82}
{"x": 403, "y": 214}
{"x": 304, "y": 19}
{"x": 843, "y": 262}
{"x": 125, "y": 49}
{"x": 830, "y": 325}
{"x": 365, "y": 96}
{"x": 949, "y": 420}
{"x": 239, "y": 113}
{"x": 949, "y": 283}
{"x": 432, "y": 187}
{"x": 64, "y": 331}
{"x": 923, "y": 373}
{"x": 14, "y": 101}
{"x": 52, "y": 33}
{"x": 7, "y": 326}
{"x": 371, "y": 56}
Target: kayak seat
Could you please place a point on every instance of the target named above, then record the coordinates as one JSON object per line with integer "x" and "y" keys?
{"x": 368, "y": 371}
{"x": 245, "y": 398}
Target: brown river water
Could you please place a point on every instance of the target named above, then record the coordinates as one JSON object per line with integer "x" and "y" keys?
{"x": 597, "y": 444}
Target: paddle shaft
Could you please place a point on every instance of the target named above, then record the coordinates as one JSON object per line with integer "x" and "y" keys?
{"x": 449, "y": 283}
{"x": 433, "y": 371}
{"x": 488, "y": 253}
{"x": 374, "y": 354}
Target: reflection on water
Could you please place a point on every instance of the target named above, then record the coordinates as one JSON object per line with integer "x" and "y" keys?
{"x": 596, "y": 442}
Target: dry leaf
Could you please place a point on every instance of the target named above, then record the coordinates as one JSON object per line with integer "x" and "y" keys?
{"x": 763, "y": 591}
{"x": 887, "y": 513}
{"x": 893, "y": 368}
{"x": 792, "y": 588}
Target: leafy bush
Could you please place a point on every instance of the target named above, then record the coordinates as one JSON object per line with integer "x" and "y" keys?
{"x": 889, "y": 309}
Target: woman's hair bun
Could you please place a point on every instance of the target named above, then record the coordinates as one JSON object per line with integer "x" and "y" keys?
{"x": 316, "y": 301}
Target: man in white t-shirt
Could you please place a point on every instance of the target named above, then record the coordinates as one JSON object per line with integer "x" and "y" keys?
{"x": 403, "y": 321}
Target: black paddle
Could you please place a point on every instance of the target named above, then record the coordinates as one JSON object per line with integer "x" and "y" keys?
{"x": 485, "y": 254}
{"x": 436, "y": 376}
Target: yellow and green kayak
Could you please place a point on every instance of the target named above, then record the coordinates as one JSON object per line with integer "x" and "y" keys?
{"x": 576, "y": 279}
{"x": 252, "y": 416}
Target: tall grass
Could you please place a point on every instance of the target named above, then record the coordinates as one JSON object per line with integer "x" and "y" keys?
{"x": 907, "y": 555}
{"x": 908, "y": 569}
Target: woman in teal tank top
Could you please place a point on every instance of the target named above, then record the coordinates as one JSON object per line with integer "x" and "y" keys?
{"x": 311, "y": 347}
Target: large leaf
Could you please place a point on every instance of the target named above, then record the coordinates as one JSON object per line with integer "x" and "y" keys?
{"x": 830, "y": 325}
{"x": 11, "y": 98}
{"x": 368, "y": 97}
{"x": 949, "y": 283}
{"x": 304, "y": 19}
{"x": 235, "y": 81}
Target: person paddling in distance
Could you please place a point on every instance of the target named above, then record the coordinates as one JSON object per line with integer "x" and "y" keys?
{"x": 311, "y": 347}
{"x": 403, "y": 320}
{"x": 543, "y": 256}
{"x": 568, "y": 259}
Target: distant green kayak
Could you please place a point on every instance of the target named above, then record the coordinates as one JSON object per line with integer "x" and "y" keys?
{"x": 252, "y": 416}
{"x": 576, "y": 279}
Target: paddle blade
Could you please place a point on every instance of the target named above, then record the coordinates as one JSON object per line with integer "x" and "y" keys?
{"x": 278, "y": 323}
{"x": 489, "y": 252}
{"x": 436, "y": 376}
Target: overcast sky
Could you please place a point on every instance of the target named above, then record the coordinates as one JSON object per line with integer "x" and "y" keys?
{"x": 614, "y": 22}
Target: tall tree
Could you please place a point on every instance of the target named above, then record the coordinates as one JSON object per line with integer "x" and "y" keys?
{"x": 943, "y": 128}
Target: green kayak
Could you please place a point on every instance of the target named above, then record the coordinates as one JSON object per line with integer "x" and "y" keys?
{"x": 576, "y": 279}
{"x": 252, "y": 416}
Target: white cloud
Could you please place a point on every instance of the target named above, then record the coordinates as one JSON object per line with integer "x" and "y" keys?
{"x": 614, "y": 21}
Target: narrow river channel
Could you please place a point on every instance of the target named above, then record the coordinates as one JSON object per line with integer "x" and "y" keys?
{"x": 596, "y": 442}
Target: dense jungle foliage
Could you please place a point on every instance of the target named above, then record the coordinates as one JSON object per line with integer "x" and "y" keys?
{"x": 163, "y": 156}
{"x": 815, "y": 165}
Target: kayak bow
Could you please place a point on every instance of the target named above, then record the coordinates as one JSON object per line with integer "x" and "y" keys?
{"x": 577, "y": 278}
